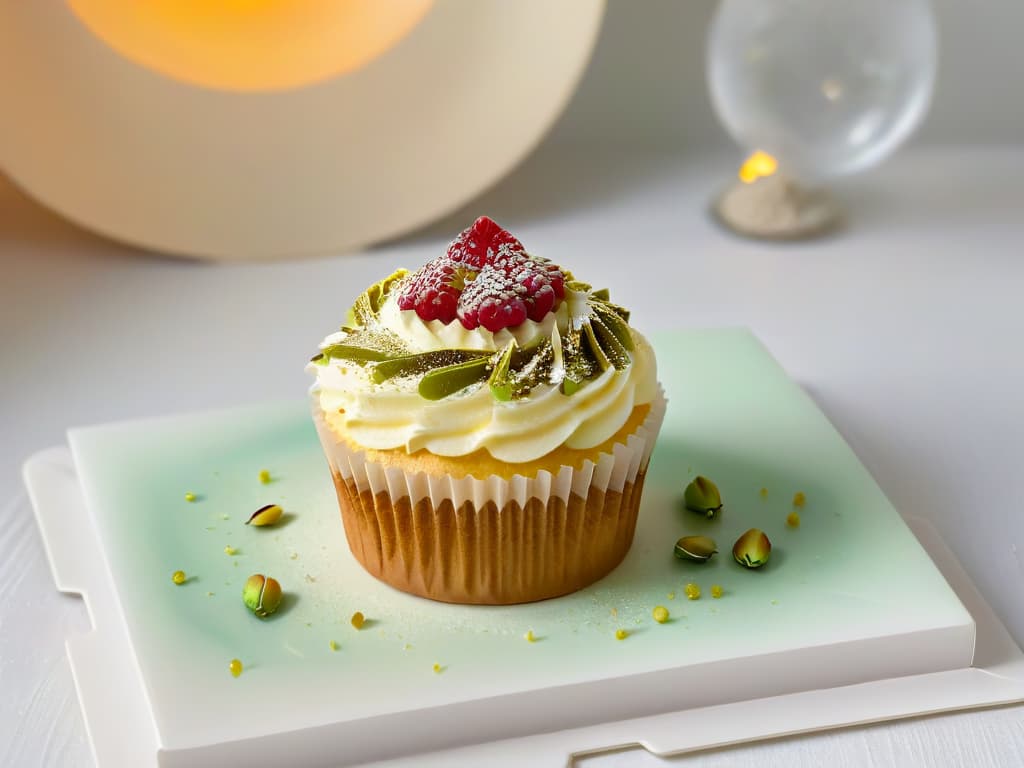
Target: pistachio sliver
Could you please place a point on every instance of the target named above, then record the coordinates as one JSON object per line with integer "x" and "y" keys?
{"x": 441, "y": 382}
{"x": 265, "y": 515}
{"x": 500, "y": 380}
{"x": 610, "y": 345}
{"x": 593, "y": 347}
{"x": 569, "y": 386}
{"x": 367, "y": 305}
{"x": 354, "y": 353}
{"x": 601, "y": 294}
{"x": 421, "y": 362}
{"x": 615, "y": 324}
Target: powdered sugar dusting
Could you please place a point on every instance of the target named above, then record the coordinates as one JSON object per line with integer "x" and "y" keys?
{"x": 486, "y": 278}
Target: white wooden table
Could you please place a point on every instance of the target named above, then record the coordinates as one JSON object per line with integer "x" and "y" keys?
{"x": 907, "y": 328}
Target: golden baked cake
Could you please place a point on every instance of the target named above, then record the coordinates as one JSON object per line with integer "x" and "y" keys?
{"x": 487, "y": 420}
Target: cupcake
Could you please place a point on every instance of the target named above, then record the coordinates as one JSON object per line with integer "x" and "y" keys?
{"x": 488, "y": 421}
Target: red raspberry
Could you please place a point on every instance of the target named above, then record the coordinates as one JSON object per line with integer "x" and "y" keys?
{"x": 486, "y": 278}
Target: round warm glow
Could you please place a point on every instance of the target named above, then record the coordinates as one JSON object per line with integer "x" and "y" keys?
{"x": 251, "y": 45}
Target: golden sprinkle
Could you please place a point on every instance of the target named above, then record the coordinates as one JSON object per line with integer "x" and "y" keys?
{"x": 621, "y": 634}
{"x": 692, "y": 591}
{"x": 264, "y": 476}
{"x": 178, "y": 577}
{"x": 660, "y": 614}
{"x": 530, "y": 637}
{"x": 717, "y": 591}
{"x": 229, "y": 550}
{"x": 358, "y": 619}
{"x": 764, "y": 493}
{"x": 793, "y": 519}
{"x": 190, "y": 497}
{"x": 334, "y": 645}
{"x": 437, "y": 668}
{"x": 799, "y": 499}
{"x": 235, "y": 667}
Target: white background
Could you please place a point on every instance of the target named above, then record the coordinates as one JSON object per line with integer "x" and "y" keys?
{"x": 907, "y": 329}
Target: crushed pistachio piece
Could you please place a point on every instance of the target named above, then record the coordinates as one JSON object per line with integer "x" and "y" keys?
{"x": 235, "y": 667}
{"x": 752, "y": 549}
{"x": 178, "y": 577}
{"x": 703, "y": 497}
{"x": 229, "y": 550}
{"x": 334, "y": 646}
{"x": 261, "y": 594}
{"x": 698, "y": 549}
{"x": 799, "y": 499}
{"x": 437, "y": 668}
{"x": 660, "y": 614}
{"x": 717, "y": 591}
{"x": 358, "y": 619}
{"x": 621, "y": 634}
{"x": 793, "y": 519}
{"x": 190, "y": 497}
{"x": 264, "y": 476}
{"x": 692, "y": 591}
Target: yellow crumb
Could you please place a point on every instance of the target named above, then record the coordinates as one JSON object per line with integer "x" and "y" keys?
{"x": 717, "y": 591}
{"x": 660, "y": 614}
{"x": 793, "y": 519}
{"x": 764, "y": 493}
{"x": 358, "y": 619}
{"x": 190, "y": 497}
{"x": 671, "y": 595}
{"x": 530, "y": 637}
{"x": 229, "y": 550}
{"x": 178, "y": 577}
{"x": 437, "y": 668}
{"x": 799, "y": 499}
{"x": 235, "y": 667}
{"x": 334, "y": 645}
{"x": 692, "y": 591}
{"x": 264, "y": 476}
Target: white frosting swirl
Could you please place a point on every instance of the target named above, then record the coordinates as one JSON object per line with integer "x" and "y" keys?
{"x": 393, "y": 415}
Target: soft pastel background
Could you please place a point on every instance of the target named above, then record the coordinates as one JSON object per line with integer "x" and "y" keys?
{"x": 906, "y": 330}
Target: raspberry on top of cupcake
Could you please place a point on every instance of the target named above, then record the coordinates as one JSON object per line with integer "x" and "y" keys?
{"x": 485, "y": 347}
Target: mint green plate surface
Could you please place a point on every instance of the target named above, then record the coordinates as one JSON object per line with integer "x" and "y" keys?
{"x": 850, "y": 573}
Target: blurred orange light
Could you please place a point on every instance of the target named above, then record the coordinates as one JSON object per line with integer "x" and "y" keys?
{"x": 251, "y": 45}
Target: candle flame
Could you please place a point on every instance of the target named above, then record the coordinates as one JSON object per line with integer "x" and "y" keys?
{"x": 758, "y": 165}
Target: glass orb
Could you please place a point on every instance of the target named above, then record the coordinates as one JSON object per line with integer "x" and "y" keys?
{"x": 829, "y": 87}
